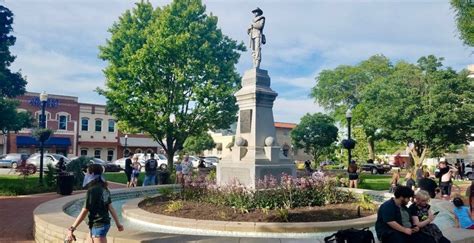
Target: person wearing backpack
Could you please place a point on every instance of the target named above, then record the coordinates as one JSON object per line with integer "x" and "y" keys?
{"x": 150, "y": 170}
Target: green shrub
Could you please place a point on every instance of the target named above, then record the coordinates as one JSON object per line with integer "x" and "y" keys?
{"x": 77, "y": 167}
{"x": 50, "y": 178}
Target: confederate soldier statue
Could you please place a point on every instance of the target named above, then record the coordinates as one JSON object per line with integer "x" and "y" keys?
{"x": 257, "y": 38}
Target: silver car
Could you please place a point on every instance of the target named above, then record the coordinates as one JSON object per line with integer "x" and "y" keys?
{"x": 52, "y": 159}
{"x": 11, "y": 160}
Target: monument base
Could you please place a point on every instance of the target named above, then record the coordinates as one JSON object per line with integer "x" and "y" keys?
{"x": 248, "y": 174}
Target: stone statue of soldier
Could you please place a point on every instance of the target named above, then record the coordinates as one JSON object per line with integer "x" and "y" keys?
{"x": 257, "y": 38}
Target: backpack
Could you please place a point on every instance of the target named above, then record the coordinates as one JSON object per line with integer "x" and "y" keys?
{"x": 351, "y": 236}
{"x": 151, "y": 164}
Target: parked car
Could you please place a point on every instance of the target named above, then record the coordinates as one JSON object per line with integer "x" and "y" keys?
{"x": 142, "y": 158}
{"x": 107, "y": 166}
{"x": 376, "y": 168}
{"x": 12, "y": 160}
{"x": 210, "y": 162}
{"x": 52, "y": 159}
{"x": 468, "y": 171}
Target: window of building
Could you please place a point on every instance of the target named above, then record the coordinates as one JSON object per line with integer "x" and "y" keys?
{"x": 84, "y": 124}
{"x": 62, "y": 122}
{"x": 110, "y": 155}
{"x": 98, "y": 125}
{"x": 83, "y": 152}
{"x": 111, "y": 126}
{"x": 97, "y": 153}
{"x": 126, "y": 152}
{"x": 138, "y": 151}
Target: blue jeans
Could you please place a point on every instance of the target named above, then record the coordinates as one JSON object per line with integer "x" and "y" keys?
{"x": 98, "y": 232}
{"x": 149, "y": 180}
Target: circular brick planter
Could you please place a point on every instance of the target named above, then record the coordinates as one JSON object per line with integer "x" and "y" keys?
{"x": 132, "y": 212}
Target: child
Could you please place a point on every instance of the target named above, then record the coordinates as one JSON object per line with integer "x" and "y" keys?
{"x": 410, "y": 183}
{"x": 136, "y": 166}
{"x": 97, "y": 207}
{"x": 462, "y": 215}
{"x": 423, "y": 217}
{"x": 179, "y": 173}
{"x": 395, "y": 179}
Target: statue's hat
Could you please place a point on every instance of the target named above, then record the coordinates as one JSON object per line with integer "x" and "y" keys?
{"x": 257, "y": 10}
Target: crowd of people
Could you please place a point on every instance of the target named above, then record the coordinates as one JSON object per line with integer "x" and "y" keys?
{"x": 133, "y": 169}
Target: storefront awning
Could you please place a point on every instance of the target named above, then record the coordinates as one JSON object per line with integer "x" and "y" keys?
{"x": 52, "y": 141}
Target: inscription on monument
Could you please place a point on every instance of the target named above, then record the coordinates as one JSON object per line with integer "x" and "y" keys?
{"x": 242, "y": 175}
{"x": 245, "y": 121}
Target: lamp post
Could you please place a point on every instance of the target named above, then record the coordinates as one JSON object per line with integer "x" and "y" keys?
{"x": 126, "y": 138}
{"x": 43, "y": 99}
{"x": 349, "y": 118}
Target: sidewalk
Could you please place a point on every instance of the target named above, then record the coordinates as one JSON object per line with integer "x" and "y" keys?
{"x": 16, "y": 214}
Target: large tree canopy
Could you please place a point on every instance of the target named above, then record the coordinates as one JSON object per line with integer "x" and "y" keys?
{"x": 316, "y": 134}
{"x": 171, "y": 62}
{"x": 11, "y": 83}
{"x": 344, "y": 87}
{"x": 426, "y": 105}
{"x": 197, "y": 144}
{"x": 464, "y": 10}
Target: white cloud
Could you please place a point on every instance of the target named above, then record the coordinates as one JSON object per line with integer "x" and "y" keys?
{"x": 291, "y": 110}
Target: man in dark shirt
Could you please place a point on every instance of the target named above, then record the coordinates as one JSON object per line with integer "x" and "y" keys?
{"x": 427, "y": 184}
{"x": 151, "y": 166}
{"x": 393, "y": 219}
{"x": 128, "y": 168}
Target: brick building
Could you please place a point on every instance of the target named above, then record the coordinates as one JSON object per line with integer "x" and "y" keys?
{"x": 62, "y": 114}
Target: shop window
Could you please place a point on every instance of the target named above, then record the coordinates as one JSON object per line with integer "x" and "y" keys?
{"x": 84, "y": 124}
{"x": 111, "y": 126}
{"x": 97, "y": 153}
{"x": 83, "y": 152}
{"x": 98, "y": 125}
{"x": 110, "y": 155}
{"x": 62, "y": 122}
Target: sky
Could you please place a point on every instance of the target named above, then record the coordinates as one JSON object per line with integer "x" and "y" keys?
{"x": 57, "y": 41}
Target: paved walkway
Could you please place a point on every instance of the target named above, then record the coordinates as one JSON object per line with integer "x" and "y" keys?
{"x": 16, "y": 214}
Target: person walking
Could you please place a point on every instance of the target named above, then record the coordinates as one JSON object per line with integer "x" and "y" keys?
{"x": 419, "y": 173}
{"x": 353, "y": 174}
{"x": 179, "y": 173}
{"x": 97, "y": 206}
{"x": 61, "y": 165}
{"x": 129, "y": 169}
{"x": 187, "y": 168}
{"x": 151, "y": 166}
{"x": 136, "y": 168}
{"x": 445, "y": 175}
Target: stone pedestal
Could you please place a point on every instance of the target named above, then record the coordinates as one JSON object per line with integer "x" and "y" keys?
{"x": 256, "y": 152}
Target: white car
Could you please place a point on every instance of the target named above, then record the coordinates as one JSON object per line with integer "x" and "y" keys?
{"x": 52, "y": 159}
{"x": 142, "y": 158}
{"x": 468, "y": 171}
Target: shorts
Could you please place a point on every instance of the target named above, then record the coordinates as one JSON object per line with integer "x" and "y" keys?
{"x": 129, "y": 175}
{"x": 101, "y": 231}
{"x": 445, "y": 188}
{"x": 135, "y": 174}
{"x": 353, "y": 177}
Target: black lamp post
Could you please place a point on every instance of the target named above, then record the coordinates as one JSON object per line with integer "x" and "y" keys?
{"x": 126, "y": 138}
{"x": 349, "y": 118}
{"x": 43, "y": 99}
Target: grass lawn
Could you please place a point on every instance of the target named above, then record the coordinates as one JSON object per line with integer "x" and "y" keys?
{"x": 13, "y": 185}
{"x": 375, "y": 182}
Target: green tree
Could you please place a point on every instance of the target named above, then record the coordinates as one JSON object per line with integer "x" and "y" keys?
{"x": 197, "y": 144}
{"x": 11, "y": 83}
{"x": 316, "y": 134}
{"x": 426, "y": 105}
{"x": 344, "y": 87}
{"x": 171, "y": 62}
{"x": 464, "y": 11}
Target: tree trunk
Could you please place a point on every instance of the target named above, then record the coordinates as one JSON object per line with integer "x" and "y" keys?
{"x": 170, "y": 153}
{"x": 419, "y": 159}
{"x": 371, "y": 147}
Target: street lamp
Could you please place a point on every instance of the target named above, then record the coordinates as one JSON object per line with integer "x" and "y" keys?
{"x": 126, "y": 138}
{"x": 349, "y": 118}
{"x": 43, "y": 99}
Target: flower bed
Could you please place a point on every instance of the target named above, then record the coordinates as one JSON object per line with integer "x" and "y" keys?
{"x": 286, "y": 200}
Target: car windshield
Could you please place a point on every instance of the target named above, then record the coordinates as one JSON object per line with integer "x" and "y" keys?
{"x": 162, "y": 157}
{"x": 58, "y": 156}
{"x": 98, "y": 161}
